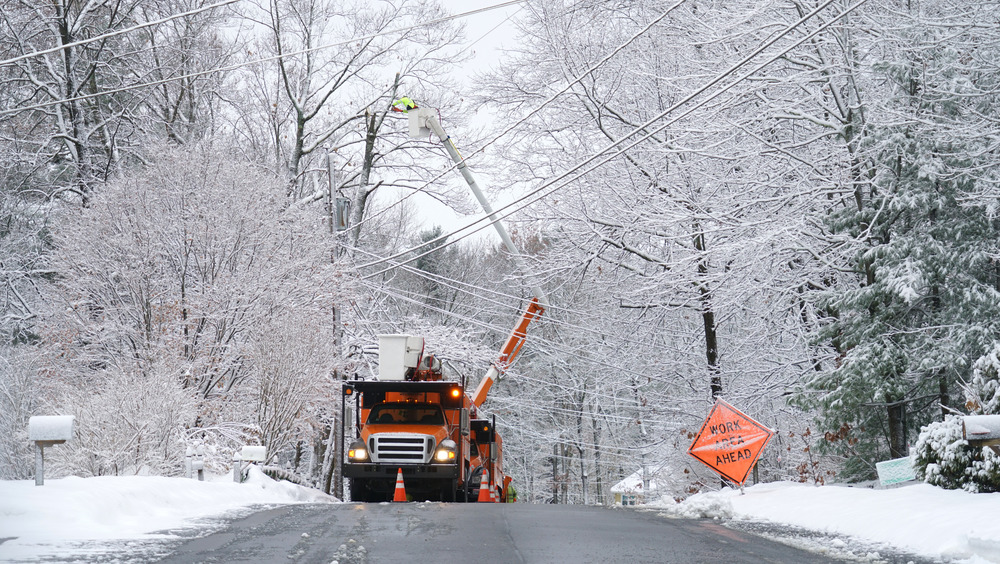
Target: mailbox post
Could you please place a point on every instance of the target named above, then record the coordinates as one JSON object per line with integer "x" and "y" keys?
{"x": 48, "y": 430}
{"x": 194, "y": 462}
{"x": 247, "y": 454}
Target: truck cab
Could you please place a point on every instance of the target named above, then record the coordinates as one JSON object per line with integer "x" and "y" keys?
{"x": 413, "y": 420}
{"x": 416, "y": 427}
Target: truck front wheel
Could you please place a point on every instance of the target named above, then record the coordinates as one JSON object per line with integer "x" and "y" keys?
{"x": 449, "y": 490}
{"x": 360, "y": 491}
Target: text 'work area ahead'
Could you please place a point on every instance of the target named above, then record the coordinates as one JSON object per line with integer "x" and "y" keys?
{"x": 729, "y": 442}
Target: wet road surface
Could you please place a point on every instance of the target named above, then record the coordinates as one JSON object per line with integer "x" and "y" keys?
{"x": 452, "y": 533}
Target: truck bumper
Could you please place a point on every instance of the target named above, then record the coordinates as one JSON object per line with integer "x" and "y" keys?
{"x": 388, "y": 471}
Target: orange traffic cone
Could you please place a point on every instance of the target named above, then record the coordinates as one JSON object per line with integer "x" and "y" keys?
{"x": 485, "y": 489}
{"x": 400, "y": 494}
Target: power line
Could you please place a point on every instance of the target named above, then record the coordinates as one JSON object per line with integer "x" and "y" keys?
{"x": 235, "y": 66}
{"x": 494, "y": 28}
{"x": 472, "y": 289}
{"x": 636, "y": 130}
{"x": 547, "y": 346}
{"x": 541, "y": 191}
{"x": 554, "y": 347}
{"x": 117, "y": 33}
{"x": 534, "y": 111}
{"x": 551, "y": 186}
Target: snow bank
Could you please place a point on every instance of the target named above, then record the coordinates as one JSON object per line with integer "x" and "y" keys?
{"x": 922, "y": 519}
{"x": 103, "y": 508}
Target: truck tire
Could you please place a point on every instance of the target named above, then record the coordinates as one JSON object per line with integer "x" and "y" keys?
{"x": 360, "y": 491}
{"x": 449, "y": 491}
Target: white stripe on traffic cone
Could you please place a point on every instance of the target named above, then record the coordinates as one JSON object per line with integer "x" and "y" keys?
{"x": 400, "y": 494}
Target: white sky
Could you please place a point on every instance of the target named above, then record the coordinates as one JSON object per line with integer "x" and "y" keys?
{"x": 121, "y": 514}
{"x": 486, "y": 33}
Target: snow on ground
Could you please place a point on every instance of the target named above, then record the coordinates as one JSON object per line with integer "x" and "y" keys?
{"x": 948, "y": 525}
{"x": 51, "y": 520}
{"x": 71, "y": 516}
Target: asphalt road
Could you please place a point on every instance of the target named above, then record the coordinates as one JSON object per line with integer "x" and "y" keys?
{"x": 488, "y": 533}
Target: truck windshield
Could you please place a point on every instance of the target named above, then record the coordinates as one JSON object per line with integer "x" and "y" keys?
{"x": 395, "y": 413}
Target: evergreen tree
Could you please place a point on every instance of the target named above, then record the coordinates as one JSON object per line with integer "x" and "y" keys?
{"x": 924, "y": 304}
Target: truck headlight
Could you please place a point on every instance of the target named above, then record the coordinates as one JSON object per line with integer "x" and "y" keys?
{"x": 357, "y": 452}
{"x": 445, "y": 451}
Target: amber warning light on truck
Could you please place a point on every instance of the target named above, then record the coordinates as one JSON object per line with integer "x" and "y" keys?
{"x": 729, "y": 442}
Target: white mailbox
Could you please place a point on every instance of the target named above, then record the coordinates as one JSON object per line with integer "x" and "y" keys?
{"x": 253, "y": 453}
{"x": 51, "y": 428}
{"x": 48, "y": 430}
{"x": 249, "y": 453}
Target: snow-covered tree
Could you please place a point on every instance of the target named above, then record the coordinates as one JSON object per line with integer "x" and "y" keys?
{"x": 20, "y": 397}
{"x": 329, "y": 94}
{"x": 77, "y": 89}
{"x": 169, "y": 279}
{"x": 924, "y": 303}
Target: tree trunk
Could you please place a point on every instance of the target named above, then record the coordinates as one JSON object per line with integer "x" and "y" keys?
{"x": 583, "y": 463}
{"x": 555, "y": 474}
{"x": 943, "y": 393}
{"x": 373, "y": 123}
{"x": 598, "y": 482}
{"x": 328, "y": 463}
{"x": 564, "y": 476}
{"x": 76, "y": 143}
{"x": 897, "y": 430}
{"x": 708, "y": 318}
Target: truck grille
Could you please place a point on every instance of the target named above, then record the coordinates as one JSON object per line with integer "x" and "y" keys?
{"x": 392, "y": 448}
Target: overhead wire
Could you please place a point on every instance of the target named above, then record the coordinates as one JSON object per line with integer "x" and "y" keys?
{"x": 534, "y": 111}
{"x": 258, "y": 61}
{"x": 478, "y": 291}
{"x": 492, "y": 327}
{"x": 116, "y": 33}
{"x": 551, "y": 186}
{"x": 540, "y": 192}
{"x": 494, "y": 28}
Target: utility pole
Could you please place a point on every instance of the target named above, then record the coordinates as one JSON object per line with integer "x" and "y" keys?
{"x": 338, "y": 211}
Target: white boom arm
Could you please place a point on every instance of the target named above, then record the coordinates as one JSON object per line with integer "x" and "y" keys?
{"x": 421, "y": 122}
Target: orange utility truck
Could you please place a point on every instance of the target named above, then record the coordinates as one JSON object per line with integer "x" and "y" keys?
{"x": 414, "y": 421}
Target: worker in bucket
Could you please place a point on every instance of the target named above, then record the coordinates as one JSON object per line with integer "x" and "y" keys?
{"x": 404, "y": 105}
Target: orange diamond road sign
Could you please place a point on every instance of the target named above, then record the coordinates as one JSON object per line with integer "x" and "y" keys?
{"x": 729, "y": 442}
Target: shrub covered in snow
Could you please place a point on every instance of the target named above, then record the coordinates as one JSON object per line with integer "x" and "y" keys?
{"x": 982, "y": 394}
{"x": 945, "y": 459}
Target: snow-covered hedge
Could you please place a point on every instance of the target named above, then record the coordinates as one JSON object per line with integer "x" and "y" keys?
{"x": 945, "y": 459}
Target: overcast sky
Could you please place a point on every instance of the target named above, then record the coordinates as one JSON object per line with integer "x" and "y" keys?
{"x": 485, "y": 32}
